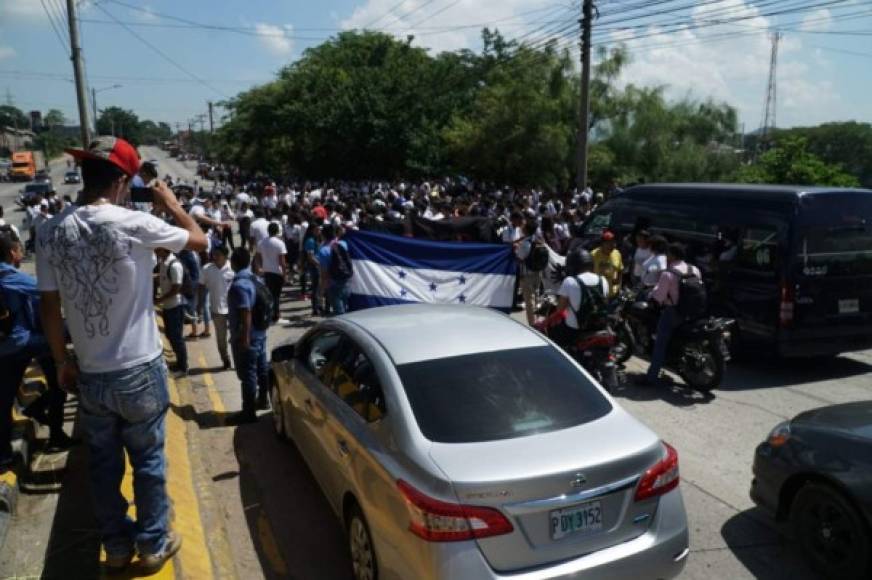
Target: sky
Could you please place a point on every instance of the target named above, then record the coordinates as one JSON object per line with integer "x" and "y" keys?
{"x": 157, "y": 58}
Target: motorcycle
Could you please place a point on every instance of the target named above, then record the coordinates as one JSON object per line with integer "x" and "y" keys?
{"x": 698, "y": 350}
{"x": 592, "y": 350}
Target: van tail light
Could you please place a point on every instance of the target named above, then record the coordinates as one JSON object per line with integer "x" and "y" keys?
{"x": 785, "y": 313}
{"x": 662, "y": 477}
{"x": 438, "y": 521}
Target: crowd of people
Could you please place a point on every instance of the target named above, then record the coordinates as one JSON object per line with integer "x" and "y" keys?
{"x": 221, "y": 256}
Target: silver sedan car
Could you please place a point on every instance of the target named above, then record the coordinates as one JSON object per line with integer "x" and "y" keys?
{"x": 454, "y": 442}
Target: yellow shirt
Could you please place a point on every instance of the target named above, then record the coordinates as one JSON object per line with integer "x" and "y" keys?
{"x": 609, "y": 266}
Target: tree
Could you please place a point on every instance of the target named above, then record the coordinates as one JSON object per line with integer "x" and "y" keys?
{"x": 54, "y": 118}
{"x": 11, "y": 116}
{"x": 790, "y": 162}
{"x": 120, "y": 123}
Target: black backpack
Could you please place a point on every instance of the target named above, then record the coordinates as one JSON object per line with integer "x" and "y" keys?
{"x": 262, "y": 313}
{"x": 692, "y": 298}
{"x": 537, "y": 259}
{"x": 592, "y": 313}
{"x": 341, "y": 268}
{"x": 187, "y": 289}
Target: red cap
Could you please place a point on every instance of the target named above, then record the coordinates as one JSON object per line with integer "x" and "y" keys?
{"x": 112, "y": 149}
{"x": 608, "y": 236}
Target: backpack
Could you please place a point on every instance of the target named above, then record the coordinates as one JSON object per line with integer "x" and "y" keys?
{"x": 187, "y": 289}
{"x": 592, "y": 313}
{"x": 537, "y": 259}
{"x": 692, "y": 298}
{"x": 262, "y": 312}
{"x": 341, "y": 268}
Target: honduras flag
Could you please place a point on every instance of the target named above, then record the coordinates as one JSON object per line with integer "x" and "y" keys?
{"x": 397, "y": 270}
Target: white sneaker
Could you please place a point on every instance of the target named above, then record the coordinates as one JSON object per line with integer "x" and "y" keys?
{"x": 283, "y": 321}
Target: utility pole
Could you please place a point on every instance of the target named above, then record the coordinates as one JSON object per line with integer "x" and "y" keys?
{"x": 78, "y": 73}
{"x": 584, "y": 105}
{"x": 767, "y": 129}
{"x": 211, "y": 120}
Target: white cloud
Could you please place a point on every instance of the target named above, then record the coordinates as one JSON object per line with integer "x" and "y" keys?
{"x": 6, "y": 52}
{"x": 19, "y": 9}
{"x": 147, "y": 14}
{"x": 277, "y": 39}
{"x": 820, "y": 19}
{"x": 731, "y": 65}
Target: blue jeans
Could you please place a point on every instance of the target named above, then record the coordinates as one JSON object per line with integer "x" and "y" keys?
{"x": 203, "y": 310}
{"x": 251, "y": 369}
{"x": 338, "y": 294}
{"x": 174, "y": 326}
{"x": 125, "y": 411}
{"x": 666, "y": 325}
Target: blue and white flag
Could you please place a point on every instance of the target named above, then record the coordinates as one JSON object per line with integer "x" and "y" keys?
{"x": 397, "y": 270}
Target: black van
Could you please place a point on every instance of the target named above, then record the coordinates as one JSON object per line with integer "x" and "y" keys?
{"x": 792, "y": 264}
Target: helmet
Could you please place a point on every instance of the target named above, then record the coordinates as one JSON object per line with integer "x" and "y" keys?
{"x": 578, "y": 261}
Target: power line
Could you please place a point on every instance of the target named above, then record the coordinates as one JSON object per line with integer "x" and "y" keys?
{"x": 161, "y": 53}
{"x": 54, "y": 27}
{"x": 390, "y": 11}
{"x": 434, "y": 14}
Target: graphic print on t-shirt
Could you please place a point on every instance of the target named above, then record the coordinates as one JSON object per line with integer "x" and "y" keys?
{"x": 85, "y": 262}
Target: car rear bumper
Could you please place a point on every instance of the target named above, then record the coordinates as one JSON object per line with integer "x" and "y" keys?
{"x": 659, "y": 553}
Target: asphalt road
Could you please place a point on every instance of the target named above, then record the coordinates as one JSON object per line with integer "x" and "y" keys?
{"x": 277, "y": 524}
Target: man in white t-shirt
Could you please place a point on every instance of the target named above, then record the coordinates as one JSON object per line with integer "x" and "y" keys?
{"x": 171, "y": 276}
{"x": 96, "y": 260}
{"x": 217, "y": 277}
{"x": 258, "y": 231}
{"x": 564, "y": 325}
{"x": 271, "y": 263}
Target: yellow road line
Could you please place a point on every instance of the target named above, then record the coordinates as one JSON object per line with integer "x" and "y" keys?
{"x": 214, "y": 398}
{"x": 193, "y": 557}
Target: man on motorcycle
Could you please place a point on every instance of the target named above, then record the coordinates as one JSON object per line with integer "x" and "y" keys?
{"x": 570, "y": 318}
{"x": 666, "y": 294}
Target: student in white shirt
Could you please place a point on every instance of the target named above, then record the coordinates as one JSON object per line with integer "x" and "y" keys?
{"x": 270, "y": 261}
{"x": 217, "y": 277}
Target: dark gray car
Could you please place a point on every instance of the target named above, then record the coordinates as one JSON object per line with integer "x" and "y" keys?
{"x": 815, "y": 471}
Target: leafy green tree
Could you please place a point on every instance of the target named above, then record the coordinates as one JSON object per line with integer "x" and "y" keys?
{"x": 790, "y": 162}
{"x": 54, "y": 118}
{"x": 11, "y": 116}
{"x": 120, "y": 123}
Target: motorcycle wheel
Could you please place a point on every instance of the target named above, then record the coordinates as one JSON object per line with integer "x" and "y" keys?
{"x": 702, "y": 367}
{"x": 625, "y": 345}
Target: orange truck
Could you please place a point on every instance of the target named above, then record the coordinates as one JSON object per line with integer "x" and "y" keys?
{"x": 25, "y": 164}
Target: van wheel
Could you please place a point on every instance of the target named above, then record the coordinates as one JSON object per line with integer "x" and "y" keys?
{"x": 360, "y": 546}
{"x": 702, "y": 367}
{"x": 832, "y": 536}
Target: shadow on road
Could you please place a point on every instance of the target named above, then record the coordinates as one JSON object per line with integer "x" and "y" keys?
{"x": 675, "y": 393}
{"x": 779, "y": 372}
{"x": 763, "y": 547}
{"x": 293, "y": 528}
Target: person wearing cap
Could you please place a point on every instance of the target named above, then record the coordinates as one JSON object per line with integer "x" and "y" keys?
{"x": 95, "y": 260}
{"x": 607, "y": 262}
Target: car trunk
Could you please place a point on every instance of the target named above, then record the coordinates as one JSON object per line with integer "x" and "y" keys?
{"x": 587, "y": 474}
{"x": 833, "y": 269}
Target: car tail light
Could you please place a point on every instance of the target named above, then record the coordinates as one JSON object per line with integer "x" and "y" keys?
{"x": 661, "y": 478}
{"x": 439, "y": 521}
{"x": 785, "y": 313}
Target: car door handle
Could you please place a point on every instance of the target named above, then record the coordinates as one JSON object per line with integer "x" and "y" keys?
{"x": 343, "y": 447}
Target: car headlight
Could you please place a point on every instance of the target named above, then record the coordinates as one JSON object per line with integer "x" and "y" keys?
{"x": 779, "y": 435}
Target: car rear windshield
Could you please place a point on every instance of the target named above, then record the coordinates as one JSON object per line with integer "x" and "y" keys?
{"x": 499, "y": 395}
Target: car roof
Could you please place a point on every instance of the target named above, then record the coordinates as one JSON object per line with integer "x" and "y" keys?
{"x": 418, "y": 332}
{"x": 739, "y": 190}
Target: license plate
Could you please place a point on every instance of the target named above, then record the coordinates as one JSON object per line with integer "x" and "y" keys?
{"x": 849, "y": 306}
{"x": 587, "y": 517}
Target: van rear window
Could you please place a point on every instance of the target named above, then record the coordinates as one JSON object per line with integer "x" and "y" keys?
{"x": 843, "y": 250}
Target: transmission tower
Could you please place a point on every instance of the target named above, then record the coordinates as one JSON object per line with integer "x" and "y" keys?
{"x": 769, "y": 119}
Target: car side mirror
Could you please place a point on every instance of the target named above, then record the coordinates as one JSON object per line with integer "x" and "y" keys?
{"x": 283, "y": 353}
